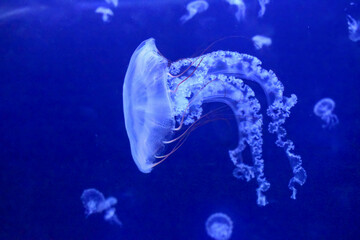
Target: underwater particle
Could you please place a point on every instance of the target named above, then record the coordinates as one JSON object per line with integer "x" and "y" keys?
{"x": 219, "y": 226}
{"x": 106, "y": 12}
{"x": 95, "y": 202}
{"x": 240, "y": 13}
{"x": 194, "y": 8}
{"x": 354, "y": 28}
{"x": 113, "y": 2}
{"x": 160, "y": 98}
{"x": 324, "y": 109}
{"x": 262, "y": 4}
{"x": 260, "y": 41}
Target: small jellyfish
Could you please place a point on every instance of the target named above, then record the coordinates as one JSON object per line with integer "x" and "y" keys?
{"x": 324, "y": 109}
{"x": 113, "y": 2}
{"x": 262, "y": 4}
{"x": 106, "y": 12}
{"x": 240, "y": 13}
{"x": 95, "y": 202}
{"x": 260, "y": 41}
{"x": 219, "y": 226}
{"x": 354, "y": 29}
{"x": 111, "y": 217}
{"x": 193, "y": 8}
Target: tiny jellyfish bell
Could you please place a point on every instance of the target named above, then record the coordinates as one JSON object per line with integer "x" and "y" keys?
{"x": 95, "y": 202}
{"x": 106, "y": 13}
{"x": 241, "y": 8}
{"x": 194, "y": 8}
{"x": 354, "y": 29}
{"x": 260, "y": 41}
{"x": 92, "y": 200}
{"x": 262, "y": 4}
{"x": 161, "y": 98}
{"x": 113, "y": 2}
{"x": 219, "y": 226}
{"x": 324, "y": 109}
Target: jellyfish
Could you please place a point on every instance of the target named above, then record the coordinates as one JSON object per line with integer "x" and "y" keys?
{"x": 193, "y": 8}
{"x": 324, "y": 109}
{"x": 106, "y": 12}
{"x": 240, "y": 13}
{"x": 219, "y": 226}
{"x": 111, "y": 217}
{"x": 95, "y": 202}
{"x": 262, "y": 4}
{"x": 113, "y": 2}
{"x": 354, "y": 29}
{"x": 260, "y": 41}
{"x": 161, "y": 98}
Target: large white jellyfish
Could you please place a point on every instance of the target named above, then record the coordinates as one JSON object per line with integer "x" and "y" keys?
{"x": 324, "y": 109}
{"x": 219, "y": 226}
{"x": 240, "y": 5}
{"x": 158, "y": 95}
{"x": 106, "y": 13}
{"x": 262, "y": 4}
{"x": 260, "y": 41}
{"x": 354, "y": 29}
{"x": 194, "y": 8}
{"x": 95, "y": 202}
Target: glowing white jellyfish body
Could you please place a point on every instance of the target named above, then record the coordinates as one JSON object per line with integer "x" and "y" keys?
{"x": 241, "y": 8}
{"x": 260, "y": 41}
{"x": 106, "y": 13}
{"x": 354, "y": 28}
{"x": 194, "y": 8}
{"x": 262, "y": 4}
{"x": 219, "y": 226}
{"x": 95, "y": 202}
{"x": 161, "y": 98}
{"x": 324, "y": 109}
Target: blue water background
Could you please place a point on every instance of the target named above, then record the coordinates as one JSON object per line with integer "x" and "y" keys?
{"x": 62, "y": 125}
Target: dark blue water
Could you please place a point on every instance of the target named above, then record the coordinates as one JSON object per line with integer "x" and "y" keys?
{"x": 62, "y": 125}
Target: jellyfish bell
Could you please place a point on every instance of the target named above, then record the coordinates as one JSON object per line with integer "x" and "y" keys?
{"x": 158, "y": 95}
{"x": 149, "y": 118}
{"x": 324, "y": 109}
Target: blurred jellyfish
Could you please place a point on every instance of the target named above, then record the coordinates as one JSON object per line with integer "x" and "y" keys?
{"x": 106, "y": 12}
{"x": 324, "y": 109}
{"x": 113, "y": 2}
{"x": 111, "y": 216}
{"x": 219, "y": 226}
{"x": 260, "y": 41}
{"x": 240, "y": 13}
{"x": 354, "y": 29}
{"x": 262, "y": 4}
{"x": 193, "y": 8}
{"x": 95, "y": 202}
{"x": 158, "y": 95}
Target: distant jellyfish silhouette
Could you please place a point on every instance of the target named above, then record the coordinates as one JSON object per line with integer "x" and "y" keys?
{"x": 194, "y": 8}
{"x": 219, "y": 226}
{"x": 260, "y": 41}
{"x": 241, "y": 8}
{"x": 113, "y": 2}
{"x": 262, "y": 4}
{"x": 354, "y": 28}
{"x": 106, "y": 13}
{"x": 160, "y": 98}
{"x": 95, "y": 202}
{"x": 324, "y": 109}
